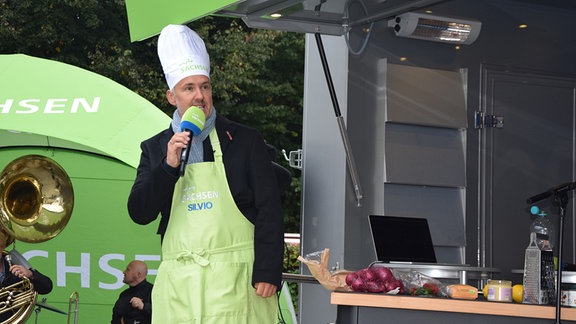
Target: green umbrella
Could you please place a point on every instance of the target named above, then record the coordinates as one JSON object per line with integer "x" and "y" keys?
{"x": 146, "y": 18}
{"x": 48, "y": 103}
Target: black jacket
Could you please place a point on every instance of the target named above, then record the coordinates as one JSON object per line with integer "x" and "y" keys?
{"x": 251, "y": 180}
{"x": 42, "y": 284}
{"x": 124, "y": 313}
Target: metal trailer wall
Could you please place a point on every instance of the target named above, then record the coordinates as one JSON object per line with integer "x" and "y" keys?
{"x": 526, "y": 75}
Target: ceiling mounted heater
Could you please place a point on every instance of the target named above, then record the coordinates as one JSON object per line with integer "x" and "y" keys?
{"x": 435, "y": 28}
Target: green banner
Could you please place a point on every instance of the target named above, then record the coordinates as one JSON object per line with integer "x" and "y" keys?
{"x": 65, "y": 103}
{"x": 146, "y": 18}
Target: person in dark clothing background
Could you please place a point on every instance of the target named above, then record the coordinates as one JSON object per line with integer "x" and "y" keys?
{"x": 134, "y": 305}
{"x": 12, "y": 273}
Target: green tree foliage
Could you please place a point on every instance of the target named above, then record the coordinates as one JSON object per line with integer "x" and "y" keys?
{"x": 90, "y": 34}
{"x": 258, "y": 78}
{"x": 257, "y": 74}
{"x": 292, "y": 265}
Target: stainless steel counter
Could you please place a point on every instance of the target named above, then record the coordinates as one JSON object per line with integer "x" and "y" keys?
{"x": 567, "y": 276}
{"x": 444, "y": 271}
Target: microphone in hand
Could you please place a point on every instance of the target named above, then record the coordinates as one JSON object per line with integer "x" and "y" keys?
{"x": 193, "y": 123}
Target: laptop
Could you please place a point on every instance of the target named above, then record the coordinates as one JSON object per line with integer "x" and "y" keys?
{"x": 402, "y": 239}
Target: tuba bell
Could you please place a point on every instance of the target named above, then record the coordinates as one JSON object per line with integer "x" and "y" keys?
{"x": 36, "y": 202}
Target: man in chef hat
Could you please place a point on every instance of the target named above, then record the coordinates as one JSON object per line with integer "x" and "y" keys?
{"x": 221, "y": 222}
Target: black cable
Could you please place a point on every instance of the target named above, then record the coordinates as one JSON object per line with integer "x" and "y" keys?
{"x": 281, "y": 319}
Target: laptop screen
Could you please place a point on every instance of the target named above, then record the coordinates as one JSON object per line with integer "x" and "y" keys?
{"x": 402, "y": 239}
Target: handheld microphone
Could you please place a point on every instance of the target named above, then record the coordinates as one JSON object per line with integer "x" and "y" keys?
{"x": 193, "y": 123}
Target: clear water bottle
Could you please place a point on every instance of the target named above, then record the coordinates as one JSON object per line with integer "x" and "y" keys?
{"x": 544, "y": 229}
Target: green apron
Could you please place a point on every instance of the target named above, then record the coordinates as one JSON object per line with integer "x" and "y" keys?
{"x": 208, "y": 254}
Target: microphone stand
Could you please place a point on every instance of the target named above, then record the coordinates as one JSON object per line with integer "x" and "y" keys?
{"x": 560, "y": 199}
{"x": 559, "y": 196}
{"x": 37, "y": 310}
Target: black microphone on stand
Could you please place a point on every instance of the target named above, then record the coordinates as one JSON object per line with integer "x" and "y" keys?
{"x": 559, "y": 196}
{"x": 193, "y": 123}
{"x": 552, "y": 191}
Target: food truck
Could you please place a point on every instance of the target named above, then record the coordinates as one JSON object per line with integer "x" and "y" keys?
{"x": 459, "y": 112}
{"x": 407, "y": 115}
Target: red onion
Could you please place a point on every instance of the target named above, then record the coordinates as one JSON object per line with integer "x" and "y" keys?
{"x": 350, "y": 278}
{"x": 383, "y": 274}
{"x": 358, "y": 285}
{"x": 393, "y": 284}
{"x": 367, "y": 274}
{"x": 375, "y": 286}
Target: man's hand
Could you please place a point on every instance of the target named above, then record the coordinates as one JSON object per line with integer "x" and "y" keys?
{"x": 20, "y": 271}
{"x": 137, "y": 303}
{"x": 177, "y": 143}
{"x": 264, "y": 289}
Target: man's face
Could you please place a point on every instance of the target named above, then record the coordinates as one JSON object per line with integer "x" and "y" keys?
{"x": 130, "y": 275}
{"x": 194, "y": 90}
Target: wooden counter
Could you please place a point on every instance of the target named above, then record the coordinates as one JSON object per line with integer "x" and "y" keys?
{"x": 373, "y": 308}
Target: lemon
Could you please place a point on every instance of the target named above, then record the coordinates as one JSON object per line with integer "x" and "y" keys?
{"x": 517, "y": 291}
{"x": 485, "y": 291}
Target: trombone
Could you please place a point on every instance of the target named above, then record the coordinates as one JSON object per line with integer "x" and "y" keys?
{"x": 73, "y": 307}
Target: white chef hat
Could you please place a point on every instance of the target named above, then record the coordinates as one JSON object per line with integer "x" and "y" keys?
{"x": 182, "y": 53}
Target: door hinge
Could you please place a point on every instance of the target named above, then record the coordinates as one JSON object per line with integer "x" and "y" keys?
{"x": 482, "y": 120}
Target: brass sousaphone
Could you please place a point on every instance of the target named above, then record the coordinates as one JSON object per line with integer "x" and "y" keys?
{"x": 36, "y": 202}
